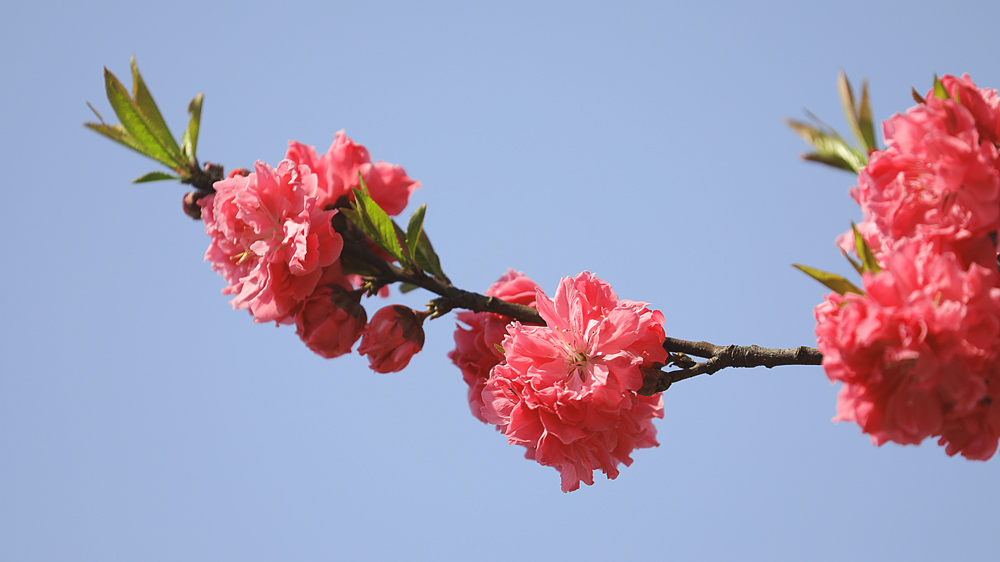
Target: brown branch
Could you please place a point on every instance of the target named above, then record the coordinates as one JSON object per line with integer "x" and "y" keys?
{"x": 720, "y": 357}
{"x": 717, "y": 357}
{"x": 204, "y": 180}
{"x": 450, "y": 296}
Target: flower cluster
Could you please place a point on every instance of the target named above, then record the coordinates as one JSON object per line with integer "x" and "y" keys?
{"x": 273, "y": 241}
{"x": 566, "y": 391}
{"x": 919, "y": 352}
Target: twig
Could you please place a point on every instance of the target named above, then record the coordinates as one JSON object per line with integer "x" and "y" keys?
{"x": 719, "y": 357}
{"x": 450, "y": 296}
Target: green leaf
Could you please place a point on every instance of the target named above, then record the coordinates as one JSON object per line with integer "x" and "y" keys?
{"x": 834, "y": 282}
{"x": 151, "y": 114}
{"x": 847, "y": 101}
{"x": 356, "y": 218}
{"x": 99, "y": 118}
{"x": 189, "y": 141}
{"x": 407, "y": 287}
{"x": 939, "y": 90}
{"x": 133, "y": 121}
{"x": 830, "y": 147}
{"x": 865, "y": 122}
{"x": 830, "y": 160}
{"x": 154, "y": 176}
{"x": 868, "y": 262}
{"x": 415, "y": 228}
{"x": 118, "y": 134}
{"x": 383, "y": 231}
{"x": 857, "y": 266}
{"x": 917, "y": 97}
{"x": 427, "y": 258}
{"x": 403, "y": 246}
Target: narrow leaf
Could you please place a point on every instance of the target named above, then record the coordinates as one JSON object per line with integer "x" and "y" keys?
{"x": 854, "y": 263}
{"x": 427, "y": 259}
{"x": 830, "y": 160}
{"x": 118, "y": 134}
{"x": 381, "y": 224}
{"x": 99, "y": 118}
{"x": 834, "y": 282}
{"x": 805, "y": 130}
{"x": 133, "y": 122}
{"x": 151, "y": 114}
{"x": 847, "y": 101}
{"x": 359, "y": 221}
{"x": 415, "y": 228}
{"x": 830, "y": 147}
{"x": 189, "y": 141}
{"x": 868, "y": 262}
{"x": 940, "y": 91}
{"x": 917, "y": 97}
{"x": 154, "y": 176}
{"x": 865, "y": 122}
{"x": 403, "y": 246}
{"x": 407, "y": 287}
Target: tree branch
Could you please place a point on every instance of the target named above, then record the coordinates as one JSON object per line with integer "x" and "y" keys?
{"x": 450, "y": 296}
{"x": 719, "y": 357}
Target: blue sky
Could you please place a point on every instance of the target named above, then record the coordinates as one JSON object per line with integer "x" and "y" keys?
{"x": 143, "y": 419}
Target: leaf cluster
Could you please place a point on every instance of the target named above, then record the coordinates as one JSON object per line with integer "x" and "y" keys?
{"x": 838, "y": 283}
{"x": 830, "y": 148}
{"x": 411, "y": 248}
{"x": 143, "y": 129}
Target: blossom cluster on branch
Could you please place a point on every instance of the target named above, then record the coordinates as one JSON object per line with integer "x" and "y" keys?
{"x": 567, "y": 391}
{"x": 917, "y": 347}
{"x": 273, "y": 240}
{"x": 576, "y": 379}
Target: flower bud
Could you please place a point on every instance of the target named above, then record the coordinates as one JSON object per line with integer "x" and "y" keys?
{"x": 331, "y": 320}
{"x": 190, "y": 204}
{"x": 394, "y": 335}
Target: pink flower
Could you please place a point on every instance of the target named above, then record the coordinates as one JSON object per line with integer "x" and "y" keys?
{"x": 338, "y": 170}
{"x": 331, "y": 320}
{"x": 567, "y": 390}
{"x": 270, "y": 240}
{"x": 394, "y": 335}
{"x": 476, "y": 350}
{"x": 981, "y": 102}
{"x": 916, "y": 352}
{"x": 936, "y": 180}
{"x": 975, "y": 434}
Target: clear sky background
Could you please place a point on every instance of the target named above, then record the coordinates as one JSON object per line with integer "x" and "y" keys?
{"x": 141, "y": 418}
